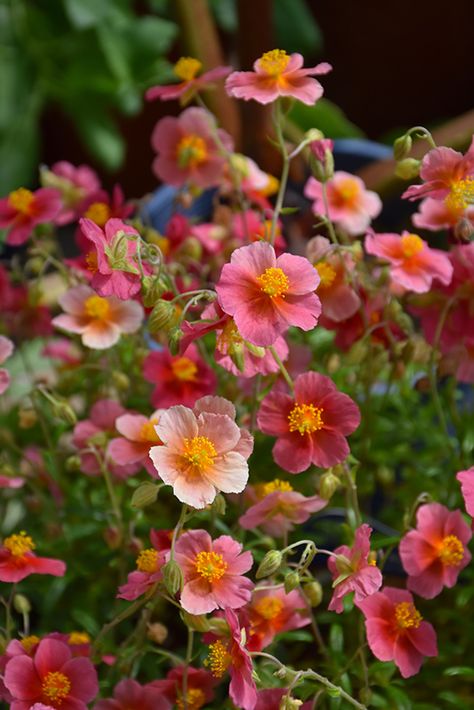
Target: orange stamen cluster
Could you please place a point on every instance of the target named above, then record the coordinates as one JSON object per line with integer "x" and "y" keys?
{"x": 210, "y": 566}
{"x": 186, "y": 68}
{"x": 29, "y": 642}
{"x": 21, "y": 200}
{"x": 451, "y": 551}
{"x": 346, "y": 193}
{"x": 78, "y": 637}
{"x": 55, "y": 687}
{"x": 98, "y": 212}
{"x": 148, "y": 432}
{"x": 274, "y": 486}
{"x": 218, "y": 659}
{"x": 411, "y": 244}
{"x": 195, "y": 699}
{"x": 305, "y": 418}
{"x": 274, "y": 62}
{"x": 200, "y": 452}
{"x": 461, "y": 196}
{"x": 326, "y": 273}
{"x": 269, "y": 607}
{"x": 191, "y": 151}
{"x": 407, "y": 616}
{"x": 19, "y": 545}
{"x": 184, "y": 369}
{"x": 147, "y": 561}
{"x": 97, "y": 308}
{"x": 274, "y": 282}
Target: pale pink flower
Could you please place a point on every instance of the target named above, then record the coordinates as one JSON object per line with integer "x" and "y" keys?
{"x": 278, "y": 74}
{"x": 17, "y": 560}
{"x": 353, "y": 571}
{"x": 128, "y": 695}
{"x": 64, "y": 350}
{"x": 396, "y": 630}
{"x": 6, "y": 349}
{"x": 99, "y": 321}
{"x": 350, "y": 205}
{"x": 271, "y": 612}
{"x": 447, "y": 175}
{"x": 266, "y": 295}
{"x": 22, "y": 210}
{"x": 413, "y": 264}
{"x": 187, "y": 149}
{"x": 138, "y": 436}
{"x": 466, "y": 479}
{"x": 75, "y": 184}
{"x": 187, "y": 69}
{"x": 435, "y": 552}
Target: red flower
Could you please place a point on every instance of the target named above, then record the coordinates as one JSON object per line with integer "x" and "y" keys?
{"x": 17, "y": 560}
{"x": 199, "y": 692}
{"x": 130, "y": 694}
{"x": 22, "y": 210}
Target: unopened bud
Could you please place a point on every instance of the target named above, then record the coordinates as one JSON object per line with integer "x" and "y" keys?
{"x": 289, "y": 703}
{"x": 174, "y": 337}
{"x": 218, "y": 626}
{"x": 172, "y": 577}
{"x": 191, "y": 247}
{"x": 402, "y": 147}
{"x": 113, "y": 537}
{"x": 22, "y": 604}
{"x": 314, "y": 134}
{"x": 162, "y": 317}
{"x": 270, "y": 564}
{"x": 63, "y": 410}
{"x": 313, "y": 592}
{"x": 120, "y": 380}
{"x": 408, "y": 168}
{"x": 236, "y": 353}
{"x": 328, "y": 485}
{"x": 27, "y": 418}
{"x": 73, "y": 464}
{"x": 365, "y": 696}
{"x": 196, "y": 622}
{"x": 145, "y": 495}
{"x": 152, "y": 290}
{"x": 156, "y": 632}
{"x": 464, "y": 230}
{"x": 291, "y": 581}
{"x": 219, "y": 505}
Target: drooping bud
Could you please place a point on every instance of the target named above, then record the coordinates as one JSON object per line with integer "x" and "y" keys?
{"x": 289, "y": 703}
{"x": 22, "y": 604}
{"x": 174, "y": 337}
{"x": 219, "y": 505}
{"x": 196, "y": 622}
{"x": 156, "y": 632}
{"x": 313, "y": 592}
{"x": 408, "y": 168}
{"x": 402, "y": 147}
{"x": 270, "y": 564}
{"x": 172, "y": 577}
{"x": 163, "y": 317}
{"x": 291, "y": 581}
{"x": 152, "y": 289}
{"x": 145, "y": 495}
{"x": 120, "y": 380}
{"x": 328, "y": 485}
{"x": 322, "y": 159}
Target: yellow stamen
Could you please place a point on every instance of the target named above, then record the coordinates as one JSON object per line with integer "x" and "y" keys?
{"x": 98, "y": 212}
{"x": 210, "y": 565}
{"x": 411, "y": 244}
{"x": 274, "y": 62}
{"x": 29, "y": 642}
{"x": 147, "y": 561}
{"x": 345, "y": 193}
{"x": 55, "y": 687}
{"x": 186, "y": 68}
{"x": 191, "y": 151}
{"x": 461, "y": 196}
{"x": 78, "y": 637}
{"x": 326, "y": 273}
{"x": 451, "y": 551}
{"x": 407, "y": 616}
{"x": 195, "y": 699}
{"x": 305, "y": 418}
{"x": 200, "y": 452}
{"x": 97, "y": 308}
{"x": 274, "y": 282}
{"x": 21, "y": 200}
{"x": 91, "y": 261}
{"x": 269, "y": 607}
{"x": 276, "y": 485}
{"x": 148, "y": 432}
{"x": 218, "y": 660}
{"x": 184, "y": 369}
{"x": 20, "y": 544}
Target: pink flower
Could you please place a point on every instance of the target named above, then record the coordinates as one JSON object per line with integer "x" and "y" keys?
{"x": 99, "y": 321}
{"x": 138, "y": 436}
{"x": 11, "y": 482}
{"x": 64, "y": 350}
{"x": 338, "y": 299}
{"x": 352, "y": 571}
{"x": 212, "y": 572}
{"x": 436, "y": 215}
{"x": 23, "y": 210}
{"x": 187, "y": 149}
{"x": 350, "y": 205}
{"x": 148, "y": 572}
{"x": 277, "y": 508}
{"x": 271, "y": 612}
{"x": 414, "y": 265}
{"x": 186, "y": 69}
{"x": 466, "y": 479}
{"x": 75, "y": 184}
{"x": 266, "y": 295}
{"x": 130, "y": 694}
{"x": 17, "y": 560}
{"x": 52, "y": 677}
{"x": 99, "y": 207}
{"x": 447, "y": 175}
{"x": 200, "y": 684}
{"x": 233, "y": 656}
{"x": 396, "y": 630}
{"x": 203, "y": 451}
{"x": 434, "y": 554}
{"x": 179, "y": 379}
{"x": 278, "y": 74}
{"x": 270, "y": 699}
{"x": 252, "y": 226}
{"x": 6, "y": 349}
{"x": 311, "y": 426}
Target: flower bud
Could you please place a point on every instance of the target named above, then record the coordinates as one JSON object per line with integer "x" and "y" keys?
{"x": 365, "y": 696}
{"x": 27, "y": 418}
{"x": 22, "y": 604}
{"x": 196, "y": 622}
{"x": 219, "y": 505}
{"x": 328, "y": 485}
{"x": 112, "y": 537}
{"x": 120, "y": 380}
{"x": 174, "y": 337}
{"x": 464, "y": 230}
{"x": 73, "y": 464}
{"x": 63, "y": 410}
{"x": 172, "y": 577}
{"x": 289, "y": 703}
{"x": 152, "y": 290}
{"x": 162, "y": 317}
{"x": 192, "y": 248}
{"x": 218, "y": 626}
{"x": 270, "y": 564}
{"x": 291, "y": 581}
{"x": 236, "y": 353}
{"x": 313, "y": 592}
{"x": 408, "y": 168}
{"x": 145, "y": 495}
{"x": 402, "y": 147}
{"x": 156, "y": 632}
{"x": 313, "y": 135}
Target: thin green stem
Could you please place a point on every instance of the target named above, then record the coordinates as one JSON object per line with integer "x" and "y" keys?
{"x": 284, "y": 173}
{"x": 283, "y": 369}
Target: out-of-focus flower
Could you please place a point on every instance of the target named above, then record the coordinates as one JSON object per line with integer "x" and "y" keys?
{"x": 466, "y": 479}
{"x": 149, "y": 567}
{"x": 130, "y": 694}
{"x": 17, "y": 560}
{"x": 271, "y": 612}
{"x": 23, "y": 210}
{"x": 138, "y": 436}
{"x": 6, "y": 349}
{"x": 187, "y": 70}
{"x": 200, "y": 684}
{"x": 74, "y": 183}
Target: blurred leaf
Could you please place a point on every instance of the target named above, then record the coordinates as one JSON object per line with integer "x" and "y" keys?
{"x": 153, "y": 34}
{"x": 463, "y": 671}
{"x": 225, "y": 12}
{"x": 399, "y": 698}
{"x": 336, "y": 638}
{"x": 327, "y": 117}
{"x": 102, "y": 138}
{"x": 296, "y": 30}
{"x": 89, "y": 13}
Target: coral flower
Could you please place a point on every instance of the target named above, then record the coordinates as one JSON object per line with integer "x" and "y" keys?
{"x": 271, "y": 612}
{"x": 179, "y": 379}
{"x": 138, "y": 436}
{"x": 350, "y": 205}
{"x": 413, "y": 264}
{"x": 311, "y": 426}
{"x": 52, "y": 677}
{"x": 396, "y": 630}
{"x": 6, "y": 349}
{"x": 23, "y": 210}
{"x": 266, "y": 295}
{"x": 17, "y": 560}
{"x": 278, "y": 508}
{"x": 202, "y": 453}
{"x": 233, "y": 656}
{"x": 199, "y": 687}
{"x": 130, "y": 694}
{"x": 148, "y": 572}
{"x": 187, "y": 70}
{"x": 187, "y": 149}
{"x": 466, "y": 479}
{"x": 99, "y": 321}
{"x": 75, "y": 184}
{"x": 434, "y": 554}
{"x": 278, "y": 74}
{"x": 353, "y": 571}
{"x": 212, "y": 572}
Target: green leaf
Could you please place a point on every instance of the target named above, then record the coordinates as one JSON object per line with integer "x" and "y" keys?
{"x": 327, "y": 117}
{"x": 336, "y": 638}
{"x": 463, "y": 671}
{"x": 225, "y": 12}
{"x": 84, "y": 14}
{"x": 153, "y": 34}
{"x": 289, "y": 210}
{"x": 296, "y": 29}
{"x": 102, "y": 138}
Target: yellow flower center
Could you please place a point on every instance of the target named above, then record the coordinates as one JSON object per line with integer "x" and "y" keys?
{"x": 184, "y": 369}
{"x": 147, "y": 561}
{"x": 305, "y": 418}
{"x": 411, "y": 244}
{"x": 186, "y": 68}
{"x": 191, "y": 151}
{"x": 29, "y": 642}
{"x": 21, "y": 200}
{"x": 451, "y": 551}
{"x": 20, "y": 544}
{"x": 200, "y": 452}
{"x": 97, "y": 307}
{"x": 407, "y": 616}
{"x": 210, "y": 565}
{"x": 91, "y": 261}
{"x": 274, "y": 62}
{"x": 276, "y": 485}
{"x": 274, "y": 282}
{"x": 98, "y": 212}
{"x": 218, "y": 659}
{"x": 195, "y": 699}
{"x": 269, "y": 607}
{"x": 78, "y": 637}
{"x": 461, "y": 195}
{"x": 55, "y": 687}
{"x": 345, "y": 193}
{"x": 230, "y": 336}
{"x": 148, "y": 433}
{"x": 326, "y": 273}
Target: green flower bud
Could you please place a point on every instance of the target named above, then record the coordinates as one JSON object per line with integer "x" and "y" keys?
{"x": 162, "y": 317}
{"x": 22, "y": 604}
{"x": 196, "y": 622}
{"x": 313, "y": 592}
{"x": 219, "y": 505}
{"x": 408, "y": 168}
{"x": 145, "y": 495}
{"x": 172, "y": 577}
{"x": 270, "y": 564}
{"x": 328, "y": 485}
{"x": 120, "y": 380}
{"x": 402, "y": 147}
{"x": 174, "y": 336}
{"x": 291, "y": 581}
{"x": 289, "y": 703}
{"x": 152, "y": 289}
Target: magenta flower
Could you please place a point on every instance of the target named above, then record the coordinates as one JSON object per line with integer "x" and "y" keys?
{"x": 353, "y": 571}
{"x": 130, "y": 694}
{"x": 200, "y": 684}
{"x": 187, "y": 149}
{"x": 138, "y": 436}
{"x": 17, "y": 560}
{"x": 396, "y": 630}
{"x": 148, "y": 572}
{"x": 271, "y": 612}
{"x": 434, "y": 554}
{"x": 266, "y": 295}
{"x": 6, "y": 349}
{"x": 75, "y": 184}
{"x": 278, "y": 508}
{"x": 447, "y": 175}
{"x": 311, "y": 426}
{"x": 23, "y": 210}
{"x": 278, "y": 74}
{"x": 350, "y": 205}
{"x": 187, "y": 69}
{"x": 466, "y": 479}
{"x": 53, "y": 677}
{"x": 212, "y": 572}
